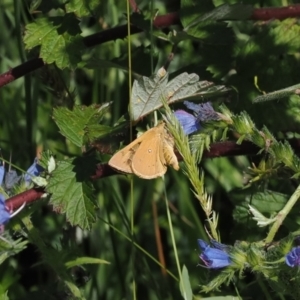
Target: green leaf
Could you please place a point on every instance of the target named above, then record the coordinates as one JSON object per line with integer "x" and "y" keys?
{"x": 82, "y": 8}
{"x": 207, "y": 27}
{"x": 71, "y": 191}
{"x": 211, "y": 32}
{"x": 226, "y": 12}
{"x": 85, "y": 260}
{"x": 80, "y": 125}
{"x": 286, "y": 34}
{"x": 191, "y": 9}
{"x": 276, "y": 38}
{"x": 147, "y": 93}
{"x": 39, "y": 181}
{"x": 59, "y": 39}
{"x": 47, "y": 161}
{"x": 235, "y": 11}
{"x": 94, "y": 131}
{"x": 4, "y": 296}
{"x": 268, "y": 202}
{"x": 185, "y": 285}
{"x": 10, "y": 248}
{"x": 34, "y": 33}
{"x": 223, "y": 12}
{"x": 34, "y": 5}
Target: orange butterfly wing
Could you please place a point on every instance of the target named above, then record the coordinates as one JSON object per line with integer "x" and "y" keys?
{"x": 147, "y": 162}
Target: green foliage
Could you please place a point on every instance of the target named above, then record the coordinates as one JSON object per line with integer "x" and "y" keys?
{"x": 81, "y": 125}
{"x": 148, "y": 92}
{"x": 185, "y": 286}
{"x": 82, "y": 8}
{"x": 111, "y": 238}
{"x": 10, "y": 248}
{"x": 58, "y": 38}
{"x": 4, "y": 296}
{"x": 72, "y": 193}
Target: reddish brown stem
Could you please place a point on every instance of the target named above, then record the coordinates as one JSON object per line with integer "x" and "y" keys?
{"x": 279, "y": 13}
{"x": 27, "y": 197}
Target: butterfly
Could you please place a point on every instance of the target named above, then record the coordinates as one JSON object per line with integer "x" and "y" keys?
{"x": 148, "y": 156}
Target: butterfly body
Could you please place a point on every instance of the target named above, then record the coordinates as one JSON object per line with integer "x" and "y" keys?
{"x": 148, "y": 155}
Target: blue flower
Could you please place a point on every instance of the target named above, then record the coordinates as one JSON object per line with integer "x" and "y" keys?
{"x": 202, "y": 113}
{"x": 34, "y": 170}
{"x": 188, "y": 122}
{"x": 214, "y": 258}
{"x": 4, "y": 213}
{"x": 11, "y": 177}
{"x": 292, "y": 259}
{"x": 2, "y": 173}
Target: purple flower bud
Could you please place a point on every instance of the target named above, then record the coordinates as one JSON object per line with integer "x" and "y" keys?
{"x": 4, "y": 213}
{"x": 34, "y": 170}
{"x": 292, "y": 259}
{"x": 204, "y": 111}
{"x": 214, "y": 258}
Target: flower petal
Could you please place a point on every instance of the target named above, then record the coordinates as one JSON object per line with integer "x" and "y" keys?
{"x": 4, "y": 214}
{"x": 218, "y": 245}
{"x": 2, "y": 173}
{"x": 204, "y": 111}
{"x": 34, "y": 170}
{"x": 292, "y": 259}
{"x": 214, "y": 258}
{"x": 188, "y": 122}
{"x": 202, "y": 245}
